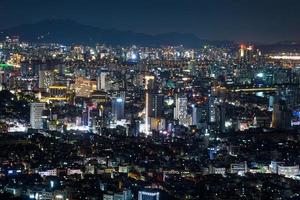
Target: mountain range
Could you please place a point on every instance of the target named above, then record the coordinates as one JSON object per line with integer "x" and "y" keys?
{"x": 71, "y": 32}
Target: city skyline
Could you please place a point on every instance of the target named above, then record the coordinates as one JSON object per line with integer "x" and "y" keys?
{"x": 198, "y": 101}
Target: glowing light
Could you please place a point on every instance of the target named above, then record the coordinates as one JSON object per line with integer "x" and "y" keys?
{"x": 78, "y": 128}
{"x": 253, "y": 89}
{"x": 228, "y": 124}
{"x": 59, "y": 196}
{"x": 133, "y": 56}
{"x": 170, "y": 102}
{"x": 260, "y": 75}
{"x": 6, "y": 66}
{"x": 285, "y": 57}
{"x": 17, "y": 127}
{"x": 51, "y": 184}
{"x": 119, "y": 100}
{"x": 57, "y": 87}
{"x": 165, "y": 132}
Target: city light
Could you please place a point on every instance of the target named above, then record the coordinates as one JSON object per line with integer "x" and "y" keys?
{"x": 260, "y": 75}
{"x": 119, "y": 100}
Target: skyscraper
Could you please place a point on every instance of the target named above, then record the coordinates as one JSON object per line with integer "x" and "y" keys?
{"x": 282, "y": 115}
{"x": 118, "y": 104}
{"x": 155, "y": 105}
{"x": 147, "y": 124}
{"x": 180, "y": 110}
{"x": 101, "y": 81}
{"x": 196, "y": 115}
{"x": 156, "y": 111}
{"x": 36, "y": 111}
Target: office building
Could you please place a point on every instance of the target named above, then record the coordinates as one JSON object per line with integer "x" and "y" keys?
{"x": 155, "y": 105}
{"x": 118, "y": 104}
{"x": 180, "y": 110}
{"x": 101, "y": 81}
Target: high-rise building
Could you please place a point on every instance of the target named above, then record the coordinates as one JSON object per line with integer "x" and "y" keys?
{"x": 101, "y": 81}
{"x": 98, "y": 82}
{"x": 180, "y": 110}
{"x": 249, "y": 53}
{"x": 118, "y": 104}
{"x": 271, "y": 103}
{"x": 196, "y": 114}
{"x": 155, "y": 105}
{"x": 282, "y": 115}
{"x": 211, "y": 108}
{"x": 148, "y": 79}
{"x": 156, "y": 111}
{"x": 200, "y": 116}
{"x": 46, "y": 79}
{"x": 148, "y": 195}
{"x": 242, "y": 51}
{"x": 2, "y": 79}
{"x": 222, "y": 118}
{"x": 36, "y": 111}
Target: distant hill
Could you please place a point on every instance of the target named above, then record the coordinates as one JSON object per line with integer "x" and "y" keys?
{"x": 70, "y": 32}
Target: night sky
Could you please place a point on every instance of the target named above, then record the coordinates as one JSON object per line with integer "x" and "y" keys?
{"x": 240, "y": 20}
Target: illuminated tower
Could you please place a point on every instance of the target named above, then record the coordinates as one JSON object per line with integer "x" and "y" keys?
{"x": 247, "y": 53}
{"x": 180, "y": 110}
{"x": 147, "y": 125}
{"x": 242, "y": 51}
